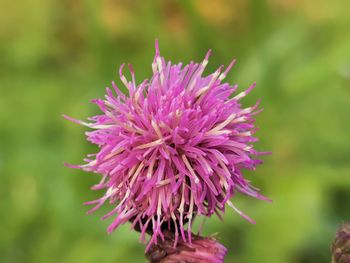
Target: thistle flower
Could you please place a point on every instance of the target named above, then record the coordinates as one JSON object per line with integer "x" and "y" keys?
{"x": 341, "y": 245}
{"x": 173, "y": 148}
{"x": 201, "y": 250}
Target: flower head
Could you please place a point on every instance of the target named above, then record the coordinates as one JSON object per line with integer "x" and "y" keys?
{"x": 173, "y": 148}
{"x": 201, "y": 250}
{"x": 341, "y": 245}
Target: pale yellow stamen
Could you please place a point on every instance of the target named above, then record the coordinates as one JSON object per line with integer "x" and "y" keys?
{"x": 124, "y": 125}
{"x": 159, "y": 207}
{"x": 156, "y": 128}
{"x": 218, "y": 132}
{"x": 182, "y": 203}
{"x": 150, "y": 144}
{"x": 150, "y": 169}
{"x": 223, "y": 180}
{"x": 166, "y": 181}
{"x": 100, "y": 126}
{"x": 206, "y": 164}
{"x": 206, "y": 88}
{"x": 124, "y": 80}
{"x": 114, "y": 153}
{"x": 248, "y": 148}
{"x": 221, "y": 125}
{"x": 132, "y": 181}
{"x": 247, "y": 110}
{"x": 240, "y": 119}
{"x": 190, "y": 210}
{"x": 189, "y": 167}
{"x": 222, "y": 76}
{"x": 160, "y": 69}
{"x": 240, "y": 95}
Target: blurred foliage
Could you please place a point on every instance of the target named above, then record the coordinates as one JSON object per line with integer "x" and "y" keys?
{"x": 57, "y": 55}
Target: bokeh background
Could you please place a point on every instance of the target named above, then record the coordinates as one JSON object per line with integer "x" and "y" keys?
{"x": 57, "y": 55}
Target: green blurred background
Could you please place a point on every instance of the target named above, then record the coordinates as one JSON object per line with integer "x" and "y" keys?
{"x": 57, "y": 55}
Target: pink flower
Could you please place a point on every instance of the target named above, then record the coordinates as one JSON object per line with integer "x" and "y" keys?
{"x": 201, "y": 250}
{"x": 173, "y": 148}
{"x": 341, "y": 245}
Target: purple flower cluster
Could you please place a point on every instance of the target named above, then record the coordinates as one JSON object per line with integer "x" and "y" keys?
{"x": 341, "y": 245}
{"x": 201, "y": 250}
{"x": 173, "y": 148}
